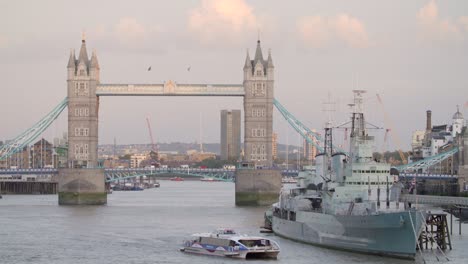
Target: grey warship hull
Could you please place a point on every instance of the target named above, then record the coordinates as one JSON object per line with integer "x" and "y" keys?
{"x": 389, "y": 234}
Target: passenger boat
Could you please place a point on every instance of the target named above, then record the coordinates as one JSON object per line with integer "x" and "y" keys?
{"x": 209, "y": 179}
{"x": 177, "y": 179}
{"x": 225, "y": 242}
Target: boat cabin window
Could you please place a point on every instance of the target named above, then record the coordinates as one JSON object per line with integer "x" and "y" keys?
{"x": 215, "y": 241}
{"x": 255, "y": 243}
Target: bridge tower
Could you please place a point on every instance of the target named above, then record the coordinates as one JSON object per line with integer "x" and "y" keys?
{"x": 83, "y": 77}
{"x": 82, "y": 182}
{"x": 258, "y": 108}
{"x": 258, "y": 186}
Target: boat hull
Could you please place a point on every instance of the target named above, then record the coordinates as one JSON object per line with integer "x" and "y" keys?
{"x": 389, "y": 234}
{"x": 241, "y": 254}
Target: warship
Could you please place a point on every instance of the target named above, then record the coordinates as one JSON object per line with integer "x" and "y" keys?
{"x": 349, "y": 201}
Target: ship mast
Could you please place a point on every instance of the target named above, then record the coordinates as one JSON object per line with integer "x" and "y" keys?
{"x": 358, "y": 128}
{"x": 358, "y": 124}
{"x": 328, "y": 107}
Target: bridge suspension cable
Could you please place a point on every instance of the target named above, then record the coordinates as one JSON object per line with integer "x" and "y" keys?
{"x": 28, "y": 136}
{"x": 300, "y": 128}
{"x": 427, "y": 162}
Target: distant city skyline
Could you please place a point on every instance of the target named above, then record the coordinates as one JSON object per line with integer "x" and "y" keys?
{"x": 412, "y": 53}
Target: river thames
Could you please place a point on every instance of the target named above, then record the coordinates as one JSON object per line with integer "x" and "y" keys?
{"x": 149, "y": 226}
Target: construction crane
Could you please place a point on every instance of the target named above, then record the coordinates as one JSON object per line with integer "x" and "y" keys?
{"x": 389, "y": 123}
{"x": 154, "y": 150}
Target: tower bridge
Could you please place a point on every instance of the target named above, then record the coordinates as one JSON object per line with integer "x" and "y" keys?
{"x": 82, "y": 182}
{"x": 85, "y": 88}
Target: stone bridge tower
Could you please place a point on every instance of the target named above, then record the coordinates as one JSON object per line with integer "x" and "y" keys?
{"x": 83, "y": 77}
{"x": 258, "y": 108}
{"x": 262, "y": 186}
{"x": 82, "y": 183}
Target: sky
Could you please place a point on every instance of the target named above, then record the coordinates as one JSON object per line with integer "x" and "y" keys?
{"x": 412, "y": 53}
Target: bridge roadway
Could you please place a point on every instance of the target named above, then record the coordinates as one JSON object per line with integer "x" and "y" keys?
{"x": 141, "y": 170}
{"x": 421, "y": 176}
{"x": 435, "y": 200}
{"x": 170, "y": 88}
{"x": 51, "y": 171}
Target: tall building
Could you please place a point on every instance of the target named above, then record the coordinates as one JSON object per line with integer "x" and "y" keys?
{"x": 274, "y": 146}
{"x": 83, "y": 78}
{"x": 230, "y": 134}
{"x": 258, "y": 108}
{"x": 309, "y": 150}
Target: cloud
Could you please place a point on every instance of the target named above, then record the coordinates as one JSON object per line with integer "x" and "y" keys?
{"x": 319, "y": 31}
{"x": 129, "y": 28}
{"x": 3, "y": 41}
{"x": 463, "y": 22}
{"x": 351, "y": 30}
{"x": 314, "y": 30}
{"x": 434, "y": 27}
{"x": 218, "y": 20}
{"x": 127, "y": 32}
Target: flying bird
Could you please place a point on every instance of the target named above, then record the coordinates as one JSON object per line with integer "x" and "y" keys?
{"x": 188, "y": 69}
{"x": 149, "y": 69}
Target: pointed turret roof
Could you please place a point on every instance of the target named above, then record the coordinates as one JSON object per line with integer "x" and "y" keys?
{"x": 72, "y": 60}
{"x": 258, "y": 53}
{"x": 248, "y": 62}
{"x": 270, "y": 60}
{"x": 83, "y": 53}
{"x": 94, "y": 61}
{"x": 458, "y": 115}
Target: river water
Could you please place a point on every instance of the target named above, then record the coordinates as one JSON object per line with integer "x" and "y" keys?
{"x": 148, "y": 227}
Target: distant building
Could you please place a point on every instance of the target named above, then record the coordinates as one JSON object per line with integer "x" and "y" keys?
{"x": 230, "y": 134}
{"x": 200, "y": 156}
{"x": 310, "y": 150}
{"x": 438, "y": 139}
{"x": 116, "y": 163}
{"x": 274, "y": 147}
{"x": 42, "y": 154}
{"x": 417, "y": 140}
{"x": 136, "y": 159}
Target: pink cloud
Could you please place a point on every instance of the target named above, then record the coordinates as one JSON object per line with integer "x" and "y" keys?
{"x": 127, "y": 31}
{"x": 435, "y": 27}
{"x": 3, "y": 41}
{"x": 222, "y": 19}
{"x": 314, "y": 30}
{"x": 319, "y": 31}
{"x": 464, "y": 22}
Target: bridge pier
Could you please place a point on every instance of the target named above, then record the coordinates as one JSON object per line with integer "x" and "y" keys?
{"x": 257, "y": 186}
{"x": 81, "y": 187}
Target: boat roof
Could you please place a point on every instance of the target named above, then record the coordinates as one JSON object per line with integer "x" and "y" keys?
{"x": 235, "y": 238}
{"x": 228, "y": 233}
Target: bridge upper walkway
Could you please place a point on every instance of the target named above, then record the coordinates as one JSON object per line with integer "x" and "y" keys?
{"x": 435, "y": 200}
